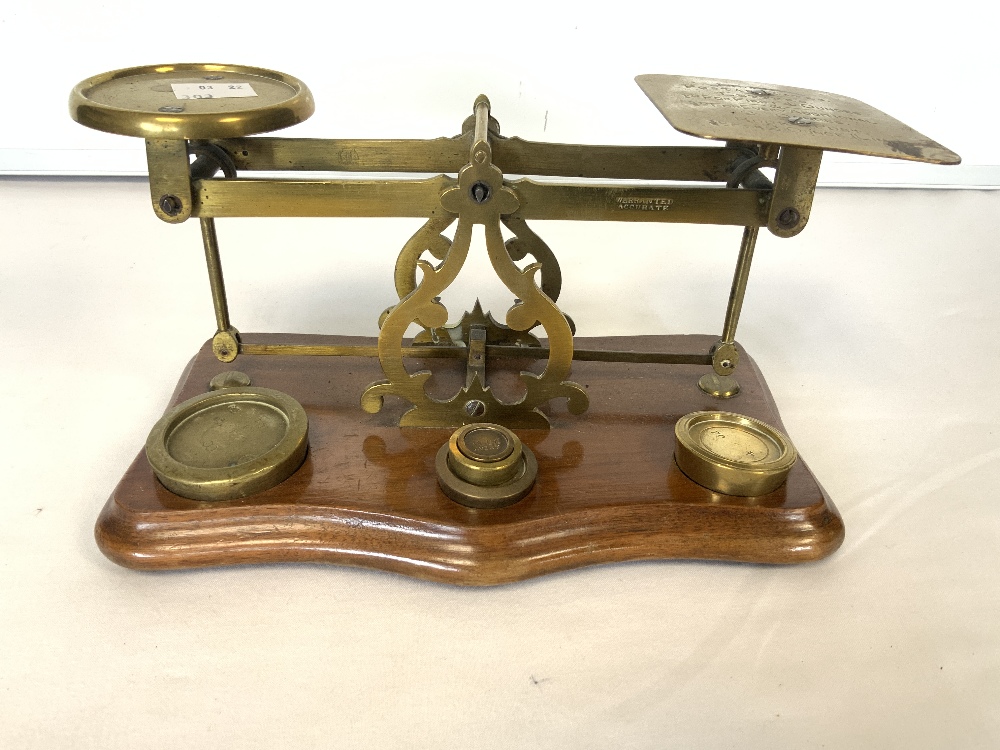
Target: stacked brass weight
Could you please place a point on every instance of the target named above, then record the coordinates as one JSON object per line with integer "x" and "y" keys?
{"x": 485, "y": 466}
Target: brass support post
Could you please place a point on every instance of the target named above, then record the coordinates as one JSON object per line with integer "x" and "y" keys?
{"x": 214, "y": 263}
{"x": 725, "y": 356}
{"x": 740, "y": 277}
{"x": 225, "y": 343}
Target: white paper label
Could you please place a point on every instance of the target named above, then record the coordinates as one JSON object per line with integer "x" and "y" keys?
{"x": 221, "y": 90}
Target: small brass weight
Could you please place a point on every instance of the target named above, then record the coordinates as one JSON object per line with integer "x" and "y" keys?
{"x": 293, "y": 461}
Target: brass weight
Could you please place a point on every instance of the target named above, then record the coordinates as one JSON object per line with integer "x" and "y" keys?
{"x": 228, "y": 443}
{"x": 485, "y": 466}
{"x": 732, "y": 453}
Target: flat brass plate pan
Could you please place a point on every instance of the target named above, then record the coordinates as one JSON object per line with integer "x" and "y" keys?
{"x": 190, "y": 101}
{"x": 229, "y": 443}
{"x": 764, "y": 113}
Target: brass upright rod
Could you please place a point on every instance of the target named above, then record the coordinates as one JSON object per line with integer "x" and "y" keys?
{"x": 739, "y": 284}
{"x": 215, "y": 273}
{"x": 481, "y": 133}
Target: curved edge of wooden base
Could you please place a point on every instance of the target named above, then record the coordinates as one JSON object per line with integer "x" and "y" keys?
{"x": 379, "y": 506}
{"x": 481, "y": 555}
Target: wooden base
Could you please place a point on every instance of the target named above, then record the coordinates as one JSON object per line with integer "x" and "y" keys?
{"x": 608, "y": 488}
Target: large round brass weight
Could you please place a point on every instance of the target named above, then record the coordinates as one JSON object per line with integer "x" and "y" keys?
{"x": 732, "y": 453}
{"x": 485, "y": 466}
{"x": 228, "y": 443}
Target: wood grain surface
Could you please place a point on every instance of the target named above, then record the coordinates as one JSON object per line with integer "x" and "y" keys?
{"x": 608, "y": 488}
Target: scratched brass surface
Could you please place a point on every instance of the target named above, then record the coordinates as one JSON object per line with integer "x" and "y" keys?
{"x": 765, "y": 113}
{"x": 140, "y": 102}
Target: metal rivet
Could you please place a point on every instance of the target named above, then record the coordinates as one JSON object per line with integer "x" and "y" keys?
{"x": 788, "y": 218}
{"x": 171, "y": 205}
{"x": 172, "y": 109}
{"x": 213, "y": 78}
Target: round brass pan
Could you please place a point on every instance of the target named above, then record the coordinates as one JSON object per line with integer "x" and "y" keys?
{"x": 732, "y": 453}
{"x": 143, "y": 101}
{"x": 229, "y": 443}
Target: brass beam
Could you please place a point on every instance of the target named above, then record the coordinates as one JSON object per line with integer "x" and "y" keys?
{"x": 383, "y": 198}
{"x": 421, "y": 198}
{"x": 681, "y": 163}
{"x": 510, "y": 155}
{"x": 695, "y": 205}
{"x": 440, "y": 155}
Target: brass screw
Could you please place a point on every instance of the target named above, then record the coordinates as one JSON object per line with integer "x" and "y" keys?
{"x": 480, "y": 192}
{"x": 171, "y": 205}
{"x": 788, "y": 218}
{"x": 475, "y": 408}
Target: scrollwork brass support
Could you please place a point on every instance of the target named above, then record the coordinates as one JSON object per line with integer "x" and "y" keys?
{"x": 481, "y": 197}
{"x": 524, "y": 242}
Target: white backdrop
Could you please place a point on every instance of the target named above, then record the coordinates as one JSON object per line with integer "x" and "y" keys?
{"x": 874, "y": 328}
{"x": 557, "y": 71}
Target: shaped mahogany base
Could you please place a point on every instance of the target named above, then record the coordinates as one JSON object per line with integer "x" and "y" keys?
{"x": 608, "y": 488}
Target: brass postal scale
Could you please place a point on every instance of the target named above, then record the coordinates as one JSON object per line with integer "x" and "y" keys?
{"x": 490, "y": 446}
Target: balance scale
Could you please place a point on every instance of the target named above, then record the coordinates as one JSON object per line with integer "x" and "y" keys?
{"x": 411, "y": 455}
